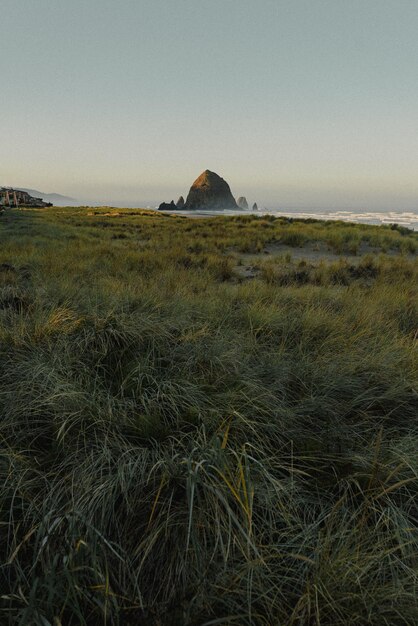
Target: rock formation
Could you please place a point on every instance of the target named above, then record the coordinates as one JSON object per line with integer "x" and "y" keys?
{"x": 255, "y": 207}
{"x": 165, "y": 206}
{"x": 242, "y": 203}
{"x": 180, "y": 203}
{"x": 210, "y": 191}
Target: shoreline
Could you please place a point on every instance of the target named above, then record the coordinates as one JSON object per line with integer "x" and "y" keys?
{"x": 407, "y": 219}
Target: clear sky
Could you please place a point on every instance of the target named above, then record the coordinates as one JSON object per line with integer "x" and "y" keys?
{"x": 294, "y": 102}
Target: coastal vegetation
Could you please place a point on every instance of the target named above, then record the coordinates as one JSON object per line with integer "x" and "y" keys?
{"x": 207, "y": 421}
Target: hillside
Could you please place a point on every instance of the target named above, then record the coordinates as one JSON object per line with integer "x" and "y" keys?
{"x": 55, "y": 198}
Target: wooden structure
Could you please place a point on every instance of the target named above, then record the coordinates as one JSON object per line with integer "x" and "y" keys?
{"x": 8, "y": 197}
{"x": 14, "y": 198}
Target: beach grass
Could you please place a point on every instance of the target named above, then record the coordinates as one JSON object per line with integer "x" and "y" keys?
{"x": 207, "y": 421}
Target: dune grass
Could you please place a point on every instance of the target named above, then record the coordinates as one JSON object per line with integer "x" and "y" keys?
{"x": 184, "y": 446}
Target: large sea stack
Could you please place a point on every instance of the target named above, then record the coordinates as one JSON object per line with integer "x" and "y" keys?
{"x": 210, "y": 191}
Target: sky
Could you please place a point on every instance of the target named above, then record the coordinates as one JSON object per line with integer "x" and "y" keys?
{"x": 310, "y": 103}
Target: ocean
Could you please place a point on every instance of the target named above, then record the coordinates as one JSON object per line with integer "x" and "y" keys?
{"x": 403, "y": 218}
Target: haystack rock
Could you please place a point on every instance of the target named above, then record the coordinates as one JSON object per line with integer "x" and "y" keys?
{"x": 180, "y": 203}
{"x": 210, "y": 191}
{"x": 242, "y": 203}
{"x": 255, "y": 207}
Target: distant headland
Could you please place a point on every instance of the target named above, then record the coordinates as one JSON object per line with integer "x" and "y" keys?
{"x": 21, "y": 196}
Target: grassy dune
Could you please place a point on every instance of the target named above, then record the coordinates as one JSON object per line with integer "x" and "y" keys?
{"x": 185, "y": 442}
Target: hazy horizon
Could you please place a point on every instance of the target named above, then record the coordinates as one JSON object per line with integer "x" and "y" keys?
{"x": 131, "y": 198}
{"x": 300, "y": 104}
